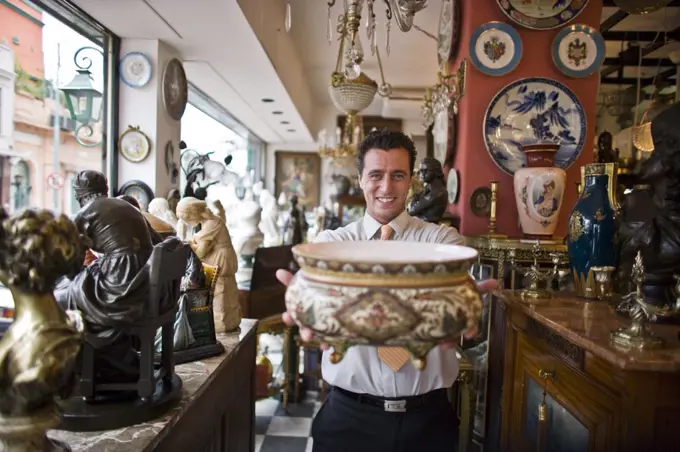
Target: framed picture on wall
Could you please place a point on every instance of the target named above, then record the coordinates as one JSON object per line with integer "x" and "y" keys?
{"x": 298, "y": 174}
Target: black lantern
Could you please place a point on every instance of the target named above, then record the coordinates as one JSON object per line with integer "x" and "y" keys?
{"x": 83, "y": 100}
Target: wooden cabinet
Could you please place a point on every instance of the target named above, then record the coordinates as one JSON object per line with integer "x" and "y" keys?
{"x": 597, "y": 397}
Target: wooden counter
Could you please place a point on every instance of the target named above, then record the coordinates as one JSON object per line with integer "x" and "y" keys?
{"x": 599, "y": 397}
{"x": 216, "y": 414}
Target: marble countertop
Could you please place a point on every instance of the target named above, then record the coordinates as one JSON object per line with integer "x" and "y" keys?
{"x": 196, "y": 376}
{"x": 588, "y": 324}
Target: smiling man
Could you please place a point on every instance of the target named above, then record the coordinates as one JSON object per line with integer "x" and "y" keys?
{"x": 357, "y": 415}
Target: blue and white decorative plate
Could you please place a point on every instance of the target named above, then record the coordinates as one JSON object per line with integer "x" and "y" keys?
{"x": 578, "y": 50}
{"x": 534, "y": 110}
{"x": 542, "y": 14}
{"x": 135, "y": 69}
{"x": 495, "y": 48}
{"x": 453, "y": 185}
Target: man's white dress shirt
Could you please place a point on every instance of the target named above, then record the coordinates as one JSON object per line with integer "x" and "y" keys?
{"x": 361, "y": 370}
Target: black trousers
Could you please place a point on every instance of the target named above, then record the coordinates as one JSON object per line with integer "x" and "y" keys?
{"x": 344, "y": 424}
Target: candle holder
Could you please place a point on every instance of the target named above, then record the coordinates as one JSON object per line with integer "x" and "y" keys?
{"x": 637, "y": 336}
{"x": 579, "y": 188}
{"x": 603, "y": 277}
{"x": 493, "y": 204}
{"x": 536, "y": 276}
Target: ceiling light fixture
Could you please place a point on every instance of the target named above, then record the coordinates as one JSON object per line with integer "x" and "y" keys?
{"x": 285, "y": 122}
{"x": 267, "y": 100}
{"x": 276, "y": 112}
{"x": 291, "y": 130}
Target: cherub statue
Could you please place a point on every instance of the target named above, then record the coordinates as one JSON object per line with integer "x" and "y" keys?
{"x": 38, "y": 352}
{"x": 430, "y": 204}
{"x": 212, "y": 244}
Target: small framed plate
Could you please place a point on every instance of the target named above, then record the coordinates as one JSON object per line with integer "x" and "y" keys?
{"x": 480, "y": 202}
{"x": 135, "y": 69}
{"x": 138, "y": 190}
{"x": 453, "y": 185}
{"x": 448, "y": 36}
{"x": 578, "y": 50}
{"x": 134, "y": 145}
{"x": 542, "y": 14}
{"x": 495, "y": 48}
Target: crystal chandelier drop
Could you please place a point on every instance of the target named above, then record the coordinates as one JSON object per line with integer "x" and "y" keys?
{"x": 443, "y": 95}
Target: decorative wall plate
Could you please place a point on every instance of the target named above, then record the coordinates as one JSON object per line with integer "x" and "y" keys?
{"x": 449, "y": 31}
{"x": 138, "y": 190}
{"x": 480, "y": 202}
{"x": 578, "y": 50}
{"x": 453, "y": 185}
{"x": 135, "y": 69}
{"x": 534, "y": 110}
{"x": 134, "y": 144}
{"x": 542, "y": 14}
{"x": 440, "y": 135}
{"x": 175, "y": 89}
{"x": 495, "y": 48}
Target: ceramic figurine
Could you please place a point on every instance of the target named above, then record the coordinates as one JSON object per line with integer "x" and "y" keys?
{"x": 652, "y": 223}
{"x": 212, "y": 244}
{"x": 245, "y": 232}
{"x": 38, "y": 352}
{"x": 114, "y": 289}
{"x": 269, "y": 219}
{"x": 591, "y": 234}
{"x": 430, "y": 203}
{"x": 539, "y": 191}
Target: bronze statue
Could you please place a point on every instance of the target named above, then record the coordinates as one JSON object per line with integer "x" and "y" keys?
{"x": 430, "y": 204}
{"x": 293, "y": 227}
{"x": 113, "y": 290}
{"x": 650, "y": 220}
{"x": 605, "y": 152}
{"x": 39, "y": 350}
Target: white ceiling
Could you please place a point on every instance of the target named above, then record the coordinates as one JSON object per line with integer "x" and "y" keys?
{"x": 222, "y": 56}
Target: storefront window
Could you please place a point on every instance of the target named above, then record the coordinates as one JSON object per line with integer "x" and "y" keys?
{"x": 53, "y": 112}
{"x": 209, "y": 130}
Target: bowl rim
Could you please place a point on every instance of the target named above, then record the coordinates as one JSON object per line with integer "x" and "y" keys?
{"x": 302, "y": 250}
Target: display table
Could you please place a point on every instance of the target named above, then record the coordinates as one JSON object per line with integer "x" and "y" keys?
{"x": 216, "y": 413}
{"x": 598, "y": 397}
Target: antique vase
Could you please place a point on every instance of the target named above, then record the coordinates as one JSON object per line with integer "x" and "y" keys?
{"x": 392, "y": 293}
{"x": 539, "y": 191}
{"x": 592, "y": 231}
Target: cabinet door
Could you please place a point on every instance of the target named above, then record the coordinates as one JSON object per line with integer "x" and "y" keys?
{"x": 581, "y": 416}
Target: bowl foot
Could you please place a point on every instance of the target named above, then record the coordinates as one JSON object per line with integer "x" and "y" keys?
{"x": 419, "y": 363}
{"x": 339, "y": 350}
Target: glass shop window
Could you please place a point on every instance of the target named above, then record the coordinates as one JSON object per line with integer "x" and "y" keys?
{"x": 52, "y": 114}
{"x": 218, "y": 143}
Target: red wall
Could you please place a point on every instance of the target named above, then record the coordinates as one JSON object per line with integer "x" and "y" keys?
{"x": 474, "y": 163}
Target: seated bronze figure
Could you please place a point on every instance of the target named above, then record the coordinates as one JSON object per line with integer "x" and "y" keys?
{"x": 650, "y": 220}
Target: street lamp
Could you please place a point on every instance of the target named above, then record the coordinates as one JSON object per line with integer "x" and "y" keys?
{"x": 83, "y": 100}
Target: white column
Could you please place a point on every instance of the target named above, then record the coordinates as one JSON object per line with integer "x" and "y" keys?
{"x": 143, "y": 107}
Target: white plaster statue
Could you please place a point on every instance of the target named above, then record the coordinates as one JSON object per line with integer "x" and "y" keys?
{"x": 245, "y": 230}
{"x": 269, "y": 221}
{"x": 226, "y": 194}
{"x": 160, "y": 208}
{"x": 212, "y": 244}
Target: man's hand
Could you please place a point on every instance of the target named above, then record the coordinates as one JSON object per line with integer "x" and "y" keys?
{"x": 284, "y": 276}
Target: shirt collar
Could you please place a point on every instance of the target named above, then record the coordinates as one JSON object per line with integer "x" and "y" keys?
{"x": 371, "y": 225}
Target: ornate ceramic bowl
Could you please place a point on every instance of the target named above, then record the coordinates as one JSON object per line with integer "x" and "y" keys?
{"x": 408, "y": 294}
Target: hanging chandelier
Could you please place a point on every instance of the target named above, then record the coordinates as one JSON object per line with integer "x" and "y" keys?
{"x": 343, "y": 144}
{"x": 445, "y": 94}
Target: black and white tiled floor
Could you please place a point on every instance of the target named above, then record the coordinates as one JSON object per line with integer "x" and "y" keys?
{"x": 276, "y": 429}
{"x": 279, "y": 431}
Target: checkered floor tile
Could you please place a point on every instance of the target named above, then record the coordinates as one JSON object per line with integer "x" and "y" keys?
{"x": 279, "y": 430}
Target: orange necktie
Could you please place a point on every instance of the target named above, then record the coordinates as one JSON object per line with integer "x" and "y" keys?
{"x": 395, "y": 357}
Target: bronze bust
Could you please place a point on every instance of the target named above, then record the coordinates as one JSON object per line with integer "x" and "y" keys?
{"x": 38, "y": 353}
{"x": 605, "y": 152}
{"x": 430, "y": 204}
{"x": 112, "y": 291}
{"x": 650, "y": 220}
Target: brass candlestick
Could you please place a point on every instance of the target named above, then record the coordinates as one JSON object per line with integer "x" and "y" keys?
{"x": 579, "y": 188}
{"x": 637, "y": 335}
{"x": 533, "y": 293}
{"x": 494, "y": 202}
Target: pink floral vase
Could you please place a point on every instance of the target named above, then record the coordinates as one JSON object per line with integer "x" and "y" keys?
{"x": 539, "y": 191}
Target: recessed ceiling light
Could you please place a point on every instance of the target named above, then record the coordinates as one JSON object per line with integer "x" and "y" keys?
{"x": 291, "y": 130}
{"x": 277, "y": 112}
{"x": 267, "y": 100}
{"x": 285, "y": 122}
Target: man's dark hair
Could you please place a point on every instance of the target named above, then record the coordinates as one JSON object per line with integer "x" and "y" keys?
{"x": 386, "y": 140}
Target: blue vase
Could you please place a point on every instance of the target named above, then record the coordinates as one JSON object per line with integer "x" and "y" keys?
{"x": 592, "y": 239}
